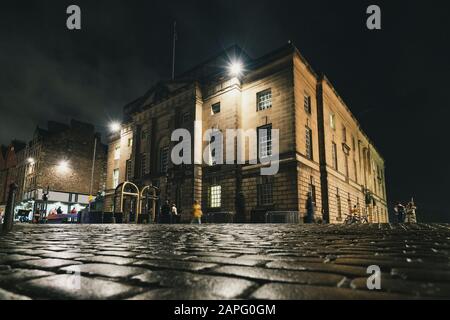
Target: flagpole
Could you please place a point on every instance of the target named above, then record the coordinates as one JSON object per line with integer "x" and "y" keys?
{"x": 174, "y": 49}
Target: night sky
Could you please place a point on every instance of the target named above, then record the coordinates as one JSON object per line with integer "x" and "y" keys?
{"x": 394, "y": 80}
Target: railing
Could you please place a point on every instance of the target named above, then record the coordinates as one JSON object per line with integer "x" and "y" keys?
{"x": 282, "y": 217}
{"x": 220, "y": 217}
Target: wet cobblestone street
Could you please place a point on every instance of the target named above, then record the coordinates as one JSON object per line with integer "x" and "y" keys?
{"x": 224, "y": 261}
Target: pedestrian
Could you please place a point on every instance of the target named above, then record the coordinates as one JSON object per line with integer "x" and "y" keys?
{"x": 165, "y": 213}
{"x": 309, "y": 209}
{"x": 36, "y": 216}
{"x": 59, "y": 211}
{"x": 400, "y": 212}
{"x": 197, "y": 213}
{"x": 411, "y": 212}
{"x": 174, "y": 213}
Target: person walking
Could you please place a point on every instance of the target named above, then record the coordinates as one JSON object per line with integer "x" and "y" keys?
{"x": 174, "y": 213}
{"x": 165, "y": 213}
{"x": 197, "y": 213}
{"x": 400, "y": 212}
{"x": 310, "y": 209}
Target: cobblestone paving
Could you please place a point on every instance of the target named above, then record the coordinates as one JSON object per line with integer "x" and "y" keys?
{"x": 224, "y": 262}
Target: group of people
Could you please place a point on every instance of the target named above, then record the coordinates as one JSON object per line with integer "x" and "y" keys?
{"x": 169, "y": 213}
{"x": 405, "y": 214}
{"x": 38, "y": 217}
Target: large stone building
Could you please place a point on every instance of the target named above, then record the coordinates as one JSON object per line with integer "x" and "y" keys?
{"x": 59, "y": 159}
{"x": 322, "y": 148}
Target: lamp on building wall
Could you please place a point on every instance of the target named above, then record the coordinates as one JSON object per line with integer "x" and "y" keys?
{"x": 30, "y": 160}
{"x": 115, "y": 126}
{"x": 63, "y": 166}
{"x": 236, "y": 68}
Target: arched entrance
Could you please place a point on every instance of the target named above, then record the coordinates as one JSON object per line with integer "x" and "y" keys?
{"x": 147, "y": 204}
{"x": 126, "y": 202}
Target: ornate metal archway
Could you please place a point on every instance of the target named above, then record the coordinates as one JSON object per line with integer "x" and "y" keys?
{"x": 148, "y": 194}
{"x": 130, "y": 203}
{"x": 126, "y": 191}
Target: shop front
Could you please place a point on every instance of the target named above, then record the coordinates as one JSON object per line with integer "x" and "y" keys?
{"x": 56, "y": 207}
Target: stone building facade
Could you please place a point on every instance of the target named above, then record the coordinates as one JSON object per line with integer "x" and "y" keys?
{"x": 59, "y": 159}
{"x": 277, "y": 91}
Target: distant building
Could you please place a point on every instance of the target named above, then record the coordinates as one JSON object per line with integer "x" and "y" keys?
{"x": 59, "y": 159}
{"x": 10, "y": 158}
{"x": 323, "y": 150}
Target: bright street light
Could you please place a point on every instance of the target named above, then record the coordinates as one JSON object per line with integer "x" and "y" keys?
{"x": 63, "y": 166}
{"x": 115, "y": 126}
{"x": 236, "y": 68}
{"x": 30, "y": 160}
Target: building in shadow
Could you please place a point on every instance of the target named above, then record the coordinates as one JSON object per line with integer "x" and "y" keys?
{"x": 59, "y": 161}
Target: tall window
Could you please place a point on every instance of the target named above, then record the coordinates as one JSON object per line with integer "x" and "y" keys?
{"x": 309, "y": 145}
{"x": 307, "y": 103}
{"x": 117, "y": 153}
{"x": 344, "y": 134}
{"x": 128, "y": 172}
{"x": 265, "y": 191}
{"x": 215, "y": 108}
{"x": 347, "y": 170}
{"x": 265, "y": 141}
{"x": 355, "y": 167}
{"x": 144, "y": 166}
{"x": 333, "y": 121}
{"x": 339, "y": 205}
{"x": 115, "y": 178}
{"x": 212, "y": 152}
{"x": 186, "y": 117}
{"x": 130, "y": 142}
{"x": 215, "y": 196}
{"x": 264, "y": 100}
{"x": 312, "y": 188}
{"x": 334, "y": 155}
{"x": 164, "y": 159}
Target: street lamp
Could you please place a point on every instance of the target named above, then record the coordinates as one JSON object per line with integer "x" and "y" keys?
{"x": 115, "y": 126}
{"x": 63, "y": 165}
{"x": 236, "y": 68}
{"x": 30, "y": 160}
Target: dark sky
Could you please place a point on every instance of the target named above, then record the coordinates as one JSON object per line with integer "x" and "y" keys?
{"x": 394, "y": 80}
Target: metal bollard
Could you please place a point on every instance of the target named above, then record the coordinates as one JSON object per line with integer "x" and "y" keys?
{"x": 9, "y": 212}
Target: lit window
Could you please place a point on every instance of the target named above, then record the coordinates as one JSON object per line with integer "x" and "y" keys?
{"x": 265, "y": 141}
{"x": 333, "y": 121}
{"x": 264, "y": 100}
{"x": 115, "y": 178}
{"x": 215, "y": 108}
{"x": 164, "y": 159}
{"x": 117, "y": 153}
{"x": 130, "y": 142}
{"x": 215, "y": 197}
{"x": 309, "y": 146}
{"x": 307, "y": 104}
{"x": 334, "y": 155}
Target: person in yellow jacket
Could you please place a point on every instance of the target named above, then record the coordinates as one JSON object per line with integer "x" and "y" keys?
{"x": 197, "y": 213}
